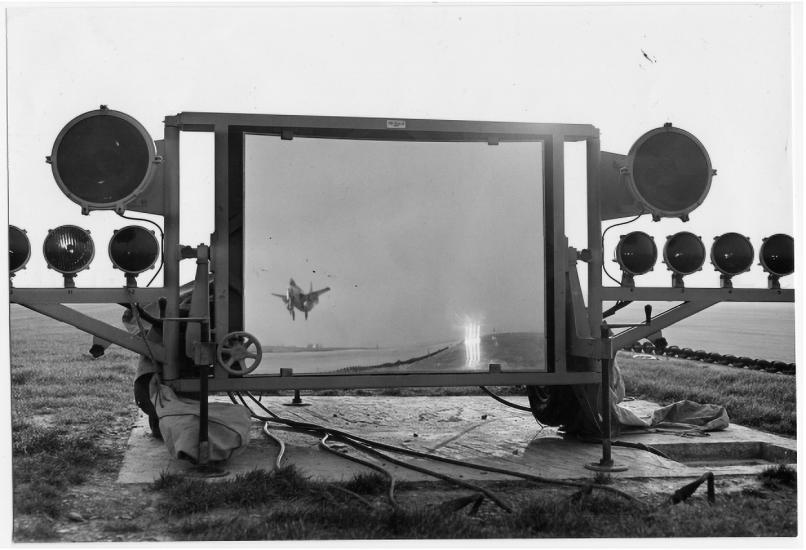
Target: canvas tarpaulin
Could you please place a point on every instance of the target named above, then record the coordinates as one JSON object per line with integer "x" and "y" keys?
{"x": 682, "y": 416}
{"x": 228, "y": 425}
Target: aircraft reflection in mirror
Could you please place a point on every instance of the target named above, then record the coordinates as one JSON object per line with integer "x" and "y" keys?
{"x": 295, "y": 298}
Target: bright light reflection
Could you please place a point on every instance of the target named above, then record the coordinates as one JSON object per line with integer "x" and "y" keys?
{"x": 473, "y": 343}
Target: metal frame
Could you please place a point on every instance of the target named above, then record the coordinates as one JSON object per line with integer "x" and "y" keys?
{"x": 564, "y": 303}
{"x": 572, "y": 328}
{"x": 227, "y": 241}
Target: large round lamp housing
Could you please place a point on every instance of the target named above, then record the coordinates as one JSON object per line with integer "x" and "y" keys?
{"x": 19, "y": 249}
{"x": 669, "y": 171}
{"x": 68, "y": 249}
{"x": 102, "y": 159}
{"x": 133, "y": 249}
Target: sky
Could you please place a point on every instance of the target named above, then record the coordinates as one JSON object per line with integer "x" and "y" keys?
{"x": 721, "y": 72}
{"x": 415, "y": 240}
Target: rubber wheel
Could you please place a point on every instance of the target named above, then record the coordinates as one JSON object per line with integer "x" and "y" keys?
{"x": 553, "y": 405}
{"x": 143, "y": 400}
{"x": 154, "y": 424}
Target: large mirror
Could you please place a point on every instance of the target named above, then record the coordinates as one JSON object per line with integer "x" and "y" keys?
{"x": 394, "y": 256}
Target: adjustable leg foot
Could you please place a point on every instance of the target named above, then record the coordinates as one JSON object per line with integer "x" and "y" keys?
{"x": 297, "y": 401}
{"x": 605, "y": 466}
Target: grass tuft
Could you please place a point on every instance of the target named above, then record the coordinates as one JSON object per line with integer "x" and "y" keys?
{"x": 187, "y": 495}
{"x": 780, "y": 475}
{"x": 38, "y": 529}
{"x": 371, "y": 483}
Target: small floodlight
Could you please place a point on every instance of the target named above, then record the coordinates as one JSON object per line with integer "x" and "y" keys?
{"x": 777, "y": 257}
{"x": 683, "y": 254}
{"x": 19, "y": 249}
{"x": 133, "y": 249}
{"x": 68, "y": 249}
{"x": 731, "y": 255}
{"x": 103, "y": 159}
{"x": 636, "y": 254}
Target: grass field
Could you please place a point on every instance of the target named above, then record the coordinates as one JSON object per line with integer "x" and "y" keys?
{"x": 71, "y": 417}
{"x": 756, "y": 399}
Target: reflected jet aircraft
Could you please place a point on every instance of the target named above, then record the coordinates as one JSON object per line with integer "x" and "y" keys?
{"x": 295, "y": 298}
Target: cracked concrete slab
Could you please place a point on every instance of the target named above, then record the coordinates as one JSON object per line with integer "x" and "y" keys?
{"x": 473, "y": 429}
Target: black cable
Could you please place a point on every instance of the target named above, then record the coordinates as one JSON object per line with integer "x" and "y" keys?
{"x": 344, "y": 436}
{"x": 505, "y": 402}
{"x": 603, "y": 241}
{"x": 621, "y": 304}
{"x": 156, "y": 321}
{"x": 162, "y": 241}
{"x": 390, "y": 492}
{"x": 261, "y": 405}
{"x": 278, "y": 462}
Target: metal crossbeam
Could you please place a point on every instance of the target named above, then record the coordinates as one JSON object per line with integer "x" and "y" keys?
{"x": 321, "y": 381}
{"x": 698, "y": 294}
{"x": 121, "y": 295}
{"x": 99, "y": 328}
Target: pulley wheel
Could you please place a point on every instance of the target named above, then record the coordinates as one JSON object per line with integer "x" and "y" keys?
{"x": 239, "y": 353}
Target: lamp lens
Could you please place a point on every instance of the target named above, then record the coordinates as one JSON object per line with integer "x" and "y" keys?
{"x": 671, "y": 171}
{"x": 684, "y": 253}
{"x": 732, "y": 253}
{"x": 636, "y": 253}
{"x": 133, "y": 249}
{"x": 778, "y": 254}
{"x": 19, "y": 249}
{"x": 68, "y": 249}
{"x": 102, "y": 159}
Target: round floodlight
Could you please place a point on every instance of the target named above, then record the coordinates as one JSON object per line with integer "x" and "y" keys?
{"x": 683, "y": 254}
{"x": 68, "y": 249}
{"x": 777, "y": 255}
{"x": 19, "y": 249}
{"x": 133, "y": 249}
{"x": 102, "y": 159}
{"x": 732, "y": 254}
{"x": 636, "y": 253}
{"x": 669, "y": 171}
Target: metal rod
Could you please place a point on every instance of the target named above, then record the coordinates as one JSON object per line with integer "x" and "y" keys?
{"x": 171, "y": 252}
{"x": 594, "y": 236}
{"x": 220, "y": 238}
{"x": 84, "y": 295}
{"x": 607, "y": 459}
{"x": 694, "y": 294}
{"x": 659, "y": 322}
{"x": 332, "y": 381}
{"x": 204, "y": 443}
{"x": 99, "y": 328}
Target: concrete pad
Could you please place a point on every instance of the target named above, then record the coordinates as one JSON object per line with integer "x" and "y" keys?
{"x": 473, "y": 429}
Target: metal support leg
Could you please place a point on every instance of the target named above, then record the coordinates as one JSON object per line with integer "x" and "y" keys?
{"x": 203, "y": 467}
{"x": 204, "y": 442}
{"x": 606, "y": 463}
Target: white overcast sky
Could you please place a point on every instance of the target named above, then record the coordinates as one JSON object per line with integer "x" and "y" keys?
{"x": 722, "y": 72}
